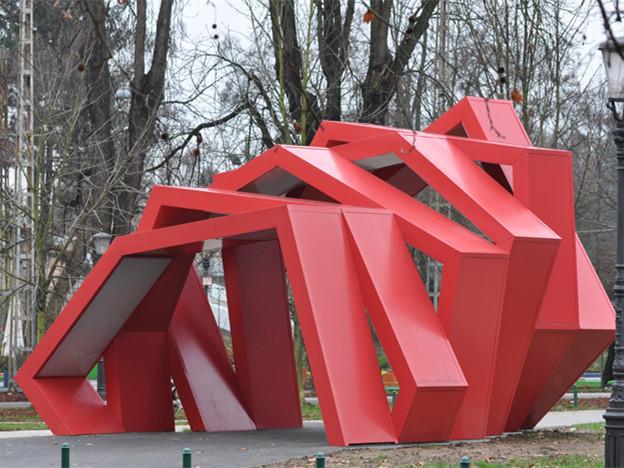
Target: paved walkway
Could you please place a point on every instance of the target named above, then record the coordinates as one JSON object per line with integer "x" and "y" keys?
{"x": 28, "y": 449}
{"x": 569, "y": 418}
{"x": 164, "y": 450}
{"x": 588, "y": 395}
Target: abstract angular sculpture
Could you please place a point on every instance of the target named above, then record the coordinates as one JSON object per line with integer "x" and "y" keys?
{"x": 521, "y": 312}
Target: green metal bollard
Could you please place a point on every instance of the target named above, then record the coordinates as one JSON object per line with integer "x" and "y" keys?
{"x": 320, "y": 460}
{"x": 575, "y": 396}
{"x": 65, "y": 455}
{"x": 464, "y": 462}
{"x": 186, "y": 458}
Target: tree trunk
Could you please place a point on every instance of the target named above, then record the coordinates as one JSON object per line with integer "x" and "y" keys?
{"x": 384, "y": 69}
{"x": 100, "y": 91}
{"x": 333, "y": 41}
{"x": 147, "y": 95}
{"x": 302, "y": 106}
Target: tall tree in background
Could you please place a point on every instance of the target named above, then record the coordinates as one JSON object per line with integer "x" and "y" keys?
{"x": 147, "y": 88}
{"x": 326, "y": 66}
{"x": 385, "y": 68}
{"x": 90, "y": 153}
{"x": 333, "y": 32}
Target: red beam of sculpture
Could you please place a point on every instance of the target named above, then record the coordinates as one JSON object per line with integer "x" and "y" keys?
{"x": 521, "y": 312}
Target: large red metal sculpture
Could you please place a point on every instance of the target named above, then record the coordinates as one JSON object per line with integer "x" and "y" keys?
{"x": 521, "y": 311}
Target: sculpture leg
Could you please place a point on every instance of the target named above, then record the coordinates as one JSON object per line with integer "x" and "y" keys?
{"x": 261, "y": 333}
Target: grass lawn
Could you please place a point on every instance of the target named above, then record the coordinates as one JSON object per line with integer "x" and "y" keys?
{"x": 22, "y": 426}
{"x": 598, "y": 427}
{"x": 566, "y": 460}
{"x": 311, "y": 411}
{"x": 21, "y": 419}
{"x": 13, "y": 415}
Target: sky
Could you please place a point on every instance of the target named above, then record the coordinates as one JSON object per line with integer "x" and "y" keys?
{"x": 200, "y": 15}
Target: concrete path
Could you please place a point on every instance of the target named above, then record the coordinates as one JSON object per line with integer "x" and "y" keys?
{"x": 28, "y": 449}
{"x": 156, "y": 450}
{"x": 14, "y": 404}
{"x": 588, "y": 396}
{"x": 569, "y": 418}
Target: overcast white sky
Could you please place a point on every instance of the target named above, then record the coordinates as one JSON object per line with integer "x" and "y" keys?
{"x": 200, "y": 15}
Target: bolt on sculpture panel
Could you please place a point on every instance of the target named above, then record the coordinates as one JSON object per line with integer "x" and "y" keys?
{"x": 521, "y": 312}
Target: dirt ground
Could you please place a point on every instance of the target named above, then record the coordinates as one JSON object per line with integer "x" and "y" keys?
{"x": 12, "y": 396}
{"x": 566, "y": 404}
{"x": 528, "y": 450}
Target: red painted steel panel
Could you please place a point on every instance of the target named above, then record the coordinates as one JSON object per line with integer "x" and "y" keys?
{"x": 595, "y": 309}
{"x": 486, "y": 119}
{"x": 501, "y": 217}
{"x": 261, "y": 333}
{"x": 591, "y": 336}
{"x": 473, "y": 327}
{"x": 414, "y": 341}
{"x": 201, "y": 367}
{"x": 430, "y": 231}
{"x": 70, "y": 406}
{"x": 582, "y": 352}
{"x": 335, "y": 328}
{"x": 138, "y": 389}
{"x": 547, "y": 349}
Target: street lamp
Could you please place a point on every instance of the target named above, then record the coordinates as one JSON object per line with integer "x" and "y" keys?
{"x": 613, "y": 55}
{"x": 205, "y": 266}
{"x": 101, "y": 242}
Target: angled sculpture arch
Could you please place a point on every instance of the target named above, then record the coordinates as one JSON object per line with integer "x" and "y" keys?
{"x": 507, "y": 340}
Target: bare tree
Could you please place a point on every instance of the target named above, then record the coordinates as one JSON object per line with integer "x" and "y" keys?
{"x": 90, "y": 153}
{"x": 147, "y": 88}
{"x": 385, "y": 68}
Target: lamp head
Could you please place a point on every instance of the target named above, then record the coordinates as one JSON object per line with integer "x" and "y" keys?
{"x": 101, "y": 241}
{"x": 613, "y": 56}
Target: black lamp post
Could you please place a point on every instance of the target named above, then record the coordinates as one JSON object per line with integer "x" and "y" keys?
{"x": 101, "y": 242}
{"x": 613, "y": 54}
{"x": 205, "y": 266}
